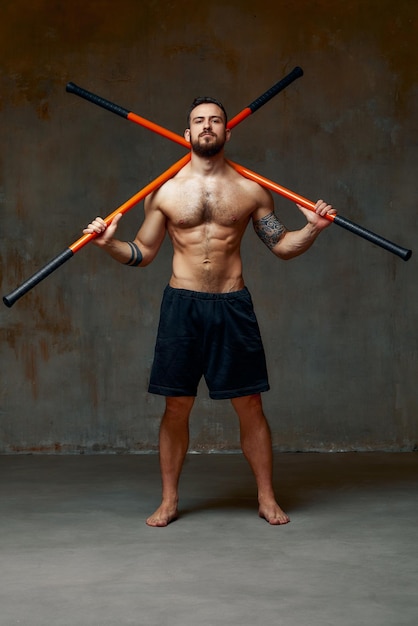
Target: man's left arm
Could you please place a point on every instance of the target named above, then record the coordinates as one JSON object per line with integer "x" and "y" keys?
{"x": 288, "y": 244}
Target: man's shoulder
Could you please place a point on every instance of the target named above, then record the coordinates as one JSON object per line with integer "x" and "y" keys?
{"x": 168, "y": 187}
{"x": 177, "y": 181}
{"x": 251, "y": 186}
{"x": 164, "y": 196}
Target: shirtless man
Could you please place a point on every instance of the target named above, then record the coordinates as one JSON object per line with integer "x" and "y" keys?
{"x": 207, "y": 325}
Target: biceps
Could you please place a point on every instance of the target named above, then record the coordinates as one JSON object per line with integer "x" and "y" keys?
{"x": 151, "y": 234}
{"x": 270, "y": 229}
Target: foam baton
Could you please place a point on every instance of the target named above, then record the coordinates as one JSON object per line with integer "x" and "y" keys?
{"x": 400, "y": 251}
{"x": 68, "y": 253}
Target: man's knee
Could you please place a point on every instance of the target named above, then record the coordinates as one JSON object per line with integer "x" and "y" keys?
{"x": 253, "y": 399}
{"x": 177, "y": 407}
{"x": 248, "y": 404}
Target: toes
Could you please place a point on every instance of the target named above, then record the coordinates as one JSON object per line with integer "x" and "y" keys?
{"x": 275, "y": 519}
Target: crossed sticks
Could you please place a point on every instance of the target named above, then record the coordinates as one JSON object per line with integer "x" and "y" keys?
{"x": 64, "y": 256}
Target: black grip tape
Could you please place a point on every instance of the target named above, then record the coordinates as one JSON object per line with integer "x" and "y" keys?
{"x": 297, "y": 72}
{"x": 45, "y": 271}
{"x": 101, "y": 102}
{"x": 404, "y": 253}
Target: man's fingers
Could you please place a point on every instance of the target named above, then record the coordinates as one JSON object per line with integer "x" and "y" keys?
{"x": 97, "y": 226}
{"x": 322, "y": 208}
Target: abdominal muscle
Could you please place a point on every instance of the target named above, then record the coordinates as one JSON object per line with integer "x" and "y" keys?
{"x": 204, "y": 262}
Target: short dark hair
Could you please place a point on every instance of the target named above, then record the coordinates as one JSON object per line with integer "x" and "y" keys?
{"x": 205, "y": 100}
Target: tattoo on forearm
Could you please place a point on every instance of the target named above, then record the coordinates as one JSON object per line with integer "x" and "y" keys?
{"x": 136, "y": 256}
{"x": 269, "y": 229}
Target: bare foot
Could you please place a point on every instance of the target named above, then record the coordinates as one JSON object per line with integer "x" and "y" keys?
{"x": 273, "y": 514}
{"x": 163, "y": 515}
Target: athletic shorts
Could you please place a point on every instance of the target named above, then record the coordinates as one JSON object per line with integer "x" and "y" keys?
{"x": 215, "y": 335}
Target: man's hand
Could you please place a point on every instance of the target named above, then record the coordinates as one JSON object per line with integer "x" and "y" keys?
{"x": 104, "y": 232}
{"x": 317, "y": 218}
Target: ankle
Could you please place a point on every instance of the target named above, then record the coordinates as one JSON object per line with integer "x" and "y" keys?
{"x": 169, "y": 499}
{"x": 266, "y": 496}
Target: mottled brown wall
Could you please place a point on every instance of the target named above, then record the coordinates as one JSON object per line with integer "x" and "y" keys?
{"x": 340, "y": 323}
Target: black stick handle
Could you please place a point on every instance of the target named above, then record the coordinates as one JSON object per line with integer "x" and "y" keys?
{"x": 101, "y": 102}
{"x": 297, "y": 72}
{"x": 20, "y": 291}
{"x": 404, "y": 253}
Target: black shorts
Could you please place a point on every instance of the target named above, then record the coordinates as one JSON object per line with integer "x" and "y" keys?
{"x": 215, "y": 335}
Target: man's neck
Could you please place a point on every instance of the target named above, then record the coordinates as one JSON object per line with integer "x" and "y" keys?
{"x": 207, "y": 166}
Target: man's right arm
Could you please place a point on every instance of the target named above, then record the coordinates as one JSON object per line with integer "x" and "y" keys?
{"x": 143, "y": 249}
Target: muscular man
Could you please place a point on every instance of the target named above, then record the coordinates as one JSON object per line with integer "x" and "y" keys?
{"x": 207, "y": 324}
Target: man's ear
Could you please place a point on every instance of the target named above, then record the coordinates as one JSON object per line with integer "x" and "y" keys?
{"x": 227, "y": 134}
{"x": 187, "y": 134}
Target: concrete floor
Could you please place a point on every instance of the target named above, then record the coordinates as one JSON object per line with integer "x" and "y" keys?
{"x": 74, "y": 548}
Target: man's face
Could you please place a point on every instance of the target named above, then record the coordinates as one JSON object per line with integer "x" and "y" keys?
{"x": 207, "y": 133}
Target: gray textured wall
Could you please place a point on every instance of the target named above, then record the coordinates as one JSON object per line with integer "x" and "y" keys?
{"x": 339, "y": 323}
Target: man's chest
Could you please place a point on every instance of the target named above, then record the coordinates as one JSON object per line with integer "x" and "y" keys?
{"x": 194, "y": 204}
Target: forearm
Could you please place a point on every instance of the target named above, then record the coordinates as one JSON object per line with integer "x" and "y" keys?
{"x": 141, "y": 251}
{"x": 126, "y": 252}
{"x": 296, "y": 242}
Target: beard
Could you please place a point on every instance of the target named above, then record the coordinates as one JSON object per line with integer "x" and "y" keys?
{"x": 205, "y": 149}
